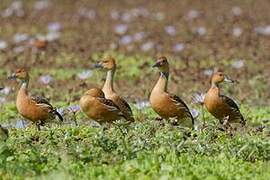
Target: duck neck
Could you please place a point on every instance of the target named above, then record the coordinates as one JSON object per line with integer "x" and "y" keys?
{"x": 108, "y": 85}
{"x": 162, "y": 82}
{"x": 24, "y": 87}
{"x": 215, "y": 88}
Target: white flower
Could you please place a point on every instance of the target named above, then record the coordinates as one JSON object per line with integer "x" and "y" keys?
{"x": 238, "y": 63}
{"x": 41, "y": 5}
{"x": 159, "y": 16}
{"x": 237, "y": 11}
{"x": 54, "y": 26}
{"x": 90, "y": 14}
{"x": 73, "y": 108}
{"x": 147, "y": 46}
{"x": 127, "y": 39}
{"x": 237, "y": 31}
{"x": 3, "y": 45}
{"x": 201, "y": 30}
{"x": 45, "y": 79}
{"x": 52, "y": 36}
{"x": 208, "y": 72}
{"x": 121, "y": 29}
{"x": 198, "y": 98}
{"x": 85, "y": 74}
{"x": 126, "y": 17}
{"x": 170, "y": 30}
{"x": 5, "y": 90}
{"x": 142, "y": 104}
{"x": 179, "y": 47}
{"x": 18, "y": 38}
{"x": 195, "y": 113}
{"x": 138, "y": 36}
{"x": 115, "y": 15}
{"x": 192, "y": 14}
{"x": 263, "y": 30}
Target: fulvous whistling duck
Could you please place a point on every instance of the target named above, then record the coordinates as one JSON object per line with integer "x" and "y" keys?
{"x": 165, "y": 104}
{"x": 3, "y": 133}
{"x": 220, "y": 106}
{"x": 36, "y": 109}
{"x": 94, "y": 104}
{"x": 110, "y": 65}
{"x": 40, "y": 44}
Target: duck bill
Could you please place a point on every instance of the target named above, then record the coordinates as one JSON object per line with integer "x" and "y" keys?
{"x": 98, "y": 65}
{"x": 12, "y": 76}
{"x": 156, "y": 65}
{"x": 229, "y": 80}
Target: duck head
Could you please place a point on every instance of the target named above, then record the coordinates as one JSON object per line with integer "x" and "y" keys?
{"x": 162, "y": 65}
{"x": 107, "y": 63}
{"x": 21, "y": 74}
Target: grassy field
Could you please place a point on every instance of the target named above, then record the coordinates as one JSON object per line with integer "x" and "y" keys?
{"x": 196, "y": 37}
{"x": 147, "y": 149}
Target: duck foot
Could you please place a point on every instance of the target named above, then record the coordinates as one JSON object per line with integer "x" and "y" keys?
{"x": 158, "y": 119}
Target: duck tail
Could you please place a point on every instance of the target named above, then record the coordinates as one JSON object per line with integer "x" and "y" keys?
{"x": 56, "y": 113}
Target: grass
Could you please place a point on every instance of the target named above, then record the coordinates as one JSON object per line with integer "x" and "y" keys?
{"x": 147, "y": 149}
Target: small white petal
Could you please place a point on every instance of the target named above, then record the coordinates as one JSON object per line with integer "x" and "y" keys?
{"x": 3, "y": 45}
{"x": 54, "y": 26}
{"x": 5, "y": 91}
{"x": 238, "y": 63}
{"x": 237, "y": 31}
{"x": 127, "y": 39}
{"x": 147, "y": 46}
{"x": 18, "y": 38}
{"x": 237, "y": 11}
{"x": 142, "y": 104}
{"x": 115, "y": 15}
{"x": 85, "y": 74}
{"x": 139, "y": 36}
{"x": 41, "y": 5}
{"x": 178, "y": 47}
{"x": 170, "y": 30}
{"x": 192, "y": 14}
{"x": 208, "y": 72}
{"x": 121, "y": 29}
{"x": 45, "y": 79}
{"x": 201, "y": 31}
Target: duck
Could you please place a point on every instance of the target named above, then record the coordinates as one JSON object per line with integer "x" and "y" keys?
{"x": 109, "y": 64}
{"x": 35, "y": 109}
{"x": 220, "y": 106}
{"x": 165, "y": 104}
{"x": 3, "y": 133}
{"x": 94, "y": 104}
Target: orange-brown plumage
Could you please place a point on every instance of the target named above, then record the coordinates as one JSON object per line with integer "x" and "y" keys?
{"x": 109, "y": 64}
{"x": 165, "y": 104}
{"x": 94, "y": 104}
{"x": 220, "y": 106}
{"x": 35, "y": 109}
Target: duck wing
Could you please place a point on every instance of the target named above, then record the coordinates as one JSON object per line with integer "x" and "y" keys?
{"x": 44, "y": 102}
{"x": 109, "y": 104}
{"x": 41, "y": 101}
{"x": 182, "y": 105}
{"x": 234, "y": 107}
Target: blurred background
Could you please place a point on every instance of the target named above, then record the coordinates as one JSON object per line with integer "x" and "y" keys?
{"x": 60, "y": 40}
